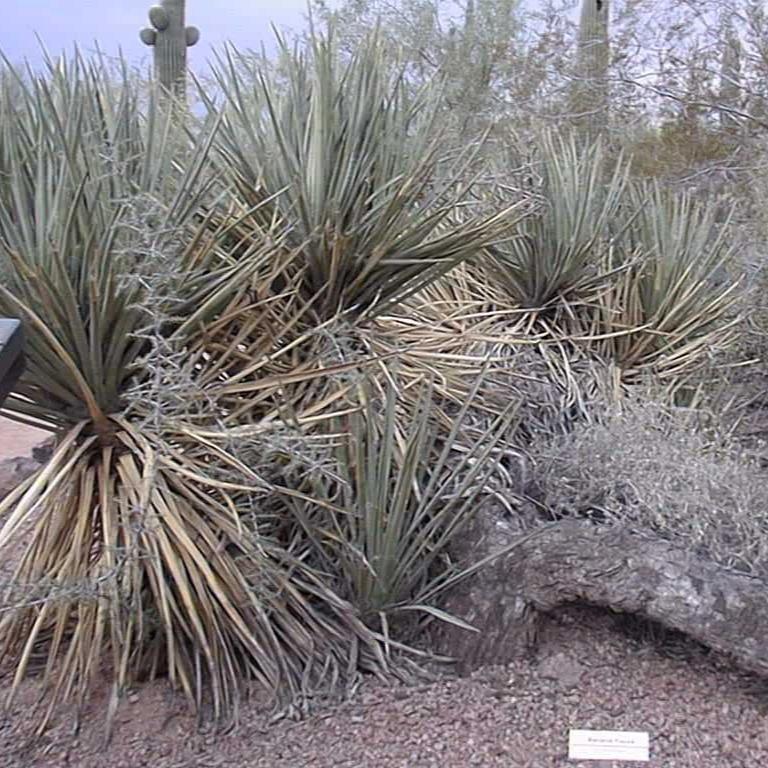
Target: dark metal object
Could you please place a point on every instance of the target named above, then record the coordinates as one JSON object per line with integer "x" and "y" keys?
{"x": 11, "y": 355}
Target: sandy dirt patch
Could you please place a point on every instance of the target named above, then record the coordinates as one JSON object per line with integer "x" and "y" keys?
{"x": 19, "y": 440}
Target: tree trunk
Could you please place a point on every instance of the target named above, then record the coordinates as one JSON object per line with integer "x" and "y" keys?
{"x": 610, "y": 566}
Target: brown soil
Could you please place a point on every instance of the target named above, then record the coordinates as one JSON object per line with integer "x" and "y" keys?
{"x": 700, "y": 713}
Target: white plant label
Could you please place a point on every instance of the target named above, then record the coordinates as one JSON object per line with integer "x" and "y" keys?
{"x": 608, "y": 745}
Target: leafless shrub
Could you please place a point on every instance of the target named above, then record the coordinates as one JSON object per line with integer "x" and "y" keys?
{"x": 664, "y": 469}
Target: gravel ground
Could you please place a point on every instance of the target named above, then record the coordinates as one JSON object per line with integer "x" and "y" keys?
{"x": 588, "y": 672}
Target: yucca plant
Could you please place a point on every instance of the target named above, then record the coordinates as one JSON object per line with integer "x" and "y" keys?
{"x": 138, "y": 563}
{"x": 673, "y": 305}
{"x": 355, "y": 167}
{"x": 74, "y": 156}
{"x": 557, "y": 255}
{"x": 404, "y": 489}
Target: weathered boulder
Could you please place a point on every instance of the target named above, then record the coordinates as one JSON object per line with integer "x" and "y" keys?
{"x": 489, "y": 600}
{"x": 612, "y": 566}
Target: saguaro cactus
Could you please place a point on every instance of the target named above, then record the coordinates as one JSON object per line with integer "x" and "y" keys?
{"x": 170, "y": 38}
{"x": 730, "y": 77}
{"x": 589, "y": 95}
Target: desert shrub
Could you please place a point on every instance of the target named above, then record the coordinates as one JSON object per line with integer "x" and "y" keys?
{"x": 119, "y": 267}
{"x": 243, "y": 487}
{"x": 663, "y": 469}
{"x": 355, "y": 166}
{"x": 557, "y": 254}
{"x": 666, "y": 309}
{"x": 167, "y": 299}
{"x": 674, "y": 150}
{"x": 402, "y": 492}
{"x": 634, "y": 273}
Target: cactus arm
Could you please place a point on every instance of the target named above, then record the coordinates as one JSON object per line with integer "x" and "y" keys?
{"x": 192, "y": 35}
{"x": 170, "y": 38}
{"x": 158, "y": 18}
{"x": 148, "y": 36}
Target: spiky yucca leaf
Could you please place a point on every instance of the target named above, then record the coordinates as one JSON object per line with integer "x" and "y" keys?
{"x": 670, "y": 309}
{"x": 76, "y": 161}
{"x": 352, "y": 161}
{"x": 558, "y": 251}
{"x": 401, "y": 497}
{"x": 145, "y": 567}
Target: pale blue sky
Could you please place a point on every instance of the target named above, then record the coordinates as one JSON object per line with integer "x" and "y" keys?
{"x": 115, "y": 23}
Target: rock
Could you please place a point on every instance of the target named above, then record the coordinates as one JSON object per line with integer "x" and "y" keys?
{"x": 15, "y": 471}
{"x": 563, "y": 669}
{"x": 44, "y": 451}
{"x": 489, "y": 599}
{"x": 610, "y": 566}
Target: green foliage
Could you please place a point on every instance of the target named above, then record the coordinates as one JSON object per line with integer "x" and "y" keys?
{"x": 245, "y": 486}
{"x": 349, "y": 161}
{"x": 472, "y": 50}
{"x": 399, "y": 501}
{"x": 76, "y": 157}
{"x": 673, "y": 306}
{"x": 637, "y": 274}
{"x": 137, "y": 559}
{"x": 558, "y": 251}
{"x": 674, "y": 149}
